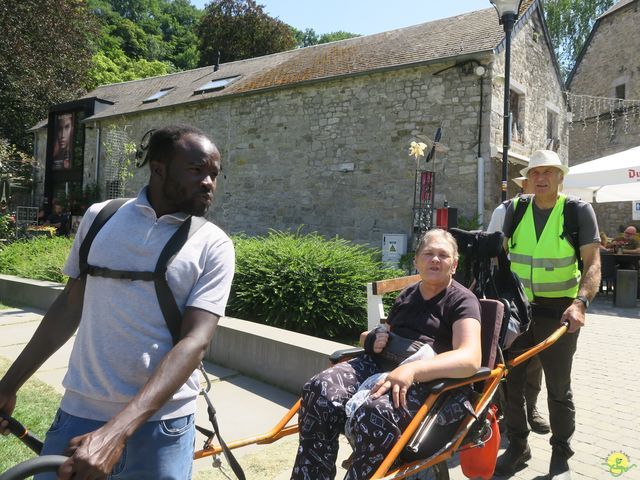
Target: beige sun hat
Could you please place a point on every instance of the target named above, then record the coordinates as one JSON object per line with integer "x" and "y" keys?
{"x": 518, "y": 181}
{"x": 544, "y": 158}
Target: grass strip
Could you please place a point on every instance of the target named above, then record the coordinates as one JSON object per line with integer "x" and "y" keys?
{"x": 272, "y": 461}
{"x": 36, "y": 406}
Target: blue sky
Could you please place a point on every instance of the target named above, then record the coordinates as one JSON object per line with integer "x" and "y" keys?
{"x": 362, "y": 16}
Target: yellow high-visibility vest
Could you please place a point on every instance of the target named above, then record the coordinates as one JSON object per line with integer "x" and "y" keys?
{"x": 547, "y": 267}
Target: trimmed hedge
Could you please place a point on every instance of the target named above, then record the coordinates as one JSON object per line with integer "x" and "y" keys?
{"x": 304, "y": 283}
{"x": 39, "y": 258}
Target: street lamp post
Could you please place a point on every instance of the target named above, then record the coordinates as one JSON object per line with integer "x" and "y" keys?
{"x": 508, "y": 13}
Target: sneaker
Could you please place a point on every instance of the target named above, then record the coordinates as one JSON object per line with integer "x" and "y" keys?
{"x": 514, "y": 457}
{"x": 537, "y": 423}
{"x": 559, "y": 467}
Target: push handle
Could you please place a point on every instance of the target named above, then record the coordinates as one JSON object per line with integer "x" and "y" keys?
{"x": 23, "y": 434}
{"x": 33, "y": 466}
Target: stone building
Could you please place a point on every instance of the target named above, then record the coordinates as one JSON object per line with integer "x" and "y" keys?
{"x": 319, "y": 136}
{"x": 604, "y": 97}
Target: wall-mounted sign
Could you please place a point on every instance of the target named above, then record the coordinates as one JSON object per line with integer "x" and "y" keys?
{"x": 63, "y": 141}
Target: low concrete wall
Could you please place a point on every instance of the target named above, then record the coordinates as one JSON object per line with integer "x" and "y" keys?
{"x": 33, "y": 293}
{"x": 279, "y": 357}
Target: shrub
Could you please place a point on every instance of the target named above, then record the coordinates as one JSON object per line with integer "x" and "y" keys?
{"x": 40, "y": 258}
{"x": 304, "y": 283}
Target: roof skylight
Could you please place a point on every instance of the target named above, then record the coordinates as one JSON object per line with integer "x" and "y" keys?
{"x": 213, "y": 85}
{"x": 158, "y": 95}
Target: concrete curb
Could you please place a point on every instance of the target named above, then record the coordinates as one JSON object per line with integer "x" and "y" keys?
{"x": 279, "y": 357}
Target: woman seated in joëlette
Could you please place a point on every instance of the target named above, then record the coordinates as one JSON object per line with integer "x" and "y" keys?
{"x": 437, "y": 311}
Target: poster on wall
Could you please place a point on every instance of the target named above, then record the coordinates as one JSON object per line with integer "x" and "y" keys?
{"x": 63, "y": 142}
{"x": 636, "y": 210}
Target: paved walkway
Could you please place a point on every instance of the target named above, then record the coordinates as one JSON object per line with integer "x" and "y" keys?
{"x": 606, "y": 390}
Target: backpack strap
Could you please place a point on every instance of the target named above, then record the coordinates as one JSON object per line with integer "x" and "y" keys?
{"x": 103, "y": 216}
{"x": 167, "y": 301}
{"x": 570, "y": 226}
{"x": 521, "y": 204}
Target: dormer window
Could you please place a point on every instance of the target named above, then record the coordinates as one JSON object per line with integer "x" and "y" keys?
{"x": 214, "y": 85}
{"x": 158, "y": 95}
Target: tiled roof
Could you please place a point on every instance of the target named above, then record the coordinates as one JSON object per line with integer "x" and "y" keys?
{"x": 464, "y": 34}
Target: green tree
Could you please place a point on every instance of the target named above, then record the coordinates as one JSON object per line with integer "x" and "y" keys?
{"x": 142, "y": 38}
{"x": 569, "y": 23}
{"x": 310, "y": 37}
{"x": 45, "y": 52}
{"x": 240, "y": 29}
{"x": 15, "y": 166}
{"x": 306, "y": 38}
{"x": 335, "y": 36}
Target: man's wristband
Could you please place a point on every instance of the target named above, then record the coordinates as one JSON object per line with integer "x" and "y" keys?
{"x": 584, "y": 300}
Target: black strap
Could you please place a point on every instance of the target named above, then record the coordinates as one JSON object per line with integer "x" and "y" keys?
{"x": 168, "y": 305}
{"x": 103, "y": 216}
{"x": 120, "y": 274}
{"x": 518, "y": 215}
{"x": 570, "y": 226}
{"x": 231, "y": 460}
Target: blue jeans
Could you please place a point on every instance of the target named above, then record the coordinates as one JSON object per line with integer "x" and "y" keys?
{"x": 157, "y": 451}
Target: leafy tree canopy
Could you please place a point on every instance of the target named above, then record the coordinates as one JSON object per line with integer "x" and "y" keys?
{"x": 45, "y": 52}
{"x": 569, "y": 23}
{"x": 310, "y": 37}
{"x": 141, "y": 38}
{"x": 240, "y": 29}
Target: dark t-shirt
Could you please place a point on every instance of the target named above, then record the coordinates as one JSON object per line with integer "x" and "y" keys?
{"x": 587, "y": 222}
{"x": 431, "y": 321}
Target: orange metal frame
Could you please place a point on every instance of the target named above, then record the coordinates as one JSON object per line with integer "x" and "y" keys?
{"x": 384, "y": 472}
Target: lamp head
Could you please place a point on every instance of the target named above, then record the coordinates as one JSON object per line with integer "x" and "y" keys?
{"x": 506, "y": 7}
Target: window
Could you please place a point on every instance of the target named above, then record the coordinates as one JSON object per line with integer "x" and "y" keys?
{"x": 621, "y": 91}
{"x": 553, "y": 140}
{"x": 213, "y": 85}
{"x": 158, "y": 95}
{"x": 516, "y": 106}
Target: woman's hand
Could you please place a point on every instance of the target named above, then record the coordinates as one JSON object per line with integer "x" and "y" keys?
{"x": 375, "y": 340}
{"x": 398, "y": 382}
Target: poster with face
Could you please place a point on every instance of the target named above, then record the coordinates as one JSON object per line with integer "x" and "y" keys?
{"x": 63, "y": 141}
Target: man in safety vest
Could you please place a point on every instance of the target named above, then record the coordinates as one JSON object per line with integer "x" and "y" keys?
{"x": 545, "y": 259}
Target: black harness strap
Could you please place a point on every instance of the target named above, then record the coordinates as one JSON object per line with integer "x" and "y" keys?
{"x": 103, "y": 216}
{"x": 120, "y": 274}
{"x": 167, "y": 301}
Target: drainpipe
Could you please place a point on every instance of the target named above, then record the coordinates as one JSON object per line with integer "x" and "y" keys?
{"x": 34, "y": 169}
{"x": 479, "y": 155}
{"x": 97, "y": 157}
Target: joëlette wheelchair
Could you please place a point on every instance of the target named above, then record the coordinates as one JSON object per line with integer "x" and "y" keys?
{"x": 411, "y": 456}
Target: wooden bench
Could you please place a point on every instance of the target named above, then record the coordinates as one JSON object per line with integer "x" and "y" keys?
{"x": 375, "y": 292}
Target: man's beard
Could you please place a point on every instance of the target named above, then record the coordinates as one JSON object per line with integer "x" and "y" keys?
{"x": 179, "y": 197}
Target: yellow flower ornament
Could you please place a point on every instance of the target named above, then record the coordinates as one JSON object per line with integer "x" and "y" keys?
{"x": 417, "y": 149}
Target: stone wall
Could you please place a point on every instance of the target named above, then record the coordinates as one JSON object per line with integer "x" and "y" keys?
{"x": 333, "y": 156}
{"x": 533, "y": 75}
{"x": 611, "y": 57}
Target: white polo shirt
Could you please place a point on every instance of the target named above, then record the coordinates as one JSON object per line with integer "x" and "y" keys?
{"x": 123, "y": 335}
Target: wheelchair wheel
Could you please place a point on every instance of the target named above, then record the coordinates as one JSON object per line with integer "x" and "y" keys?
{"x": 33, "y": 466}
{"x": 438, "y": 472}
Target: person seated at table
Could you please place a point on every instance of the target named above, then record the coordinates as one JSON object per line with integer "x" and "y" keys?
{"x": 58, "y": 219}
{"x": 630, "y": 243}
{"x": 438, "y": 311}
